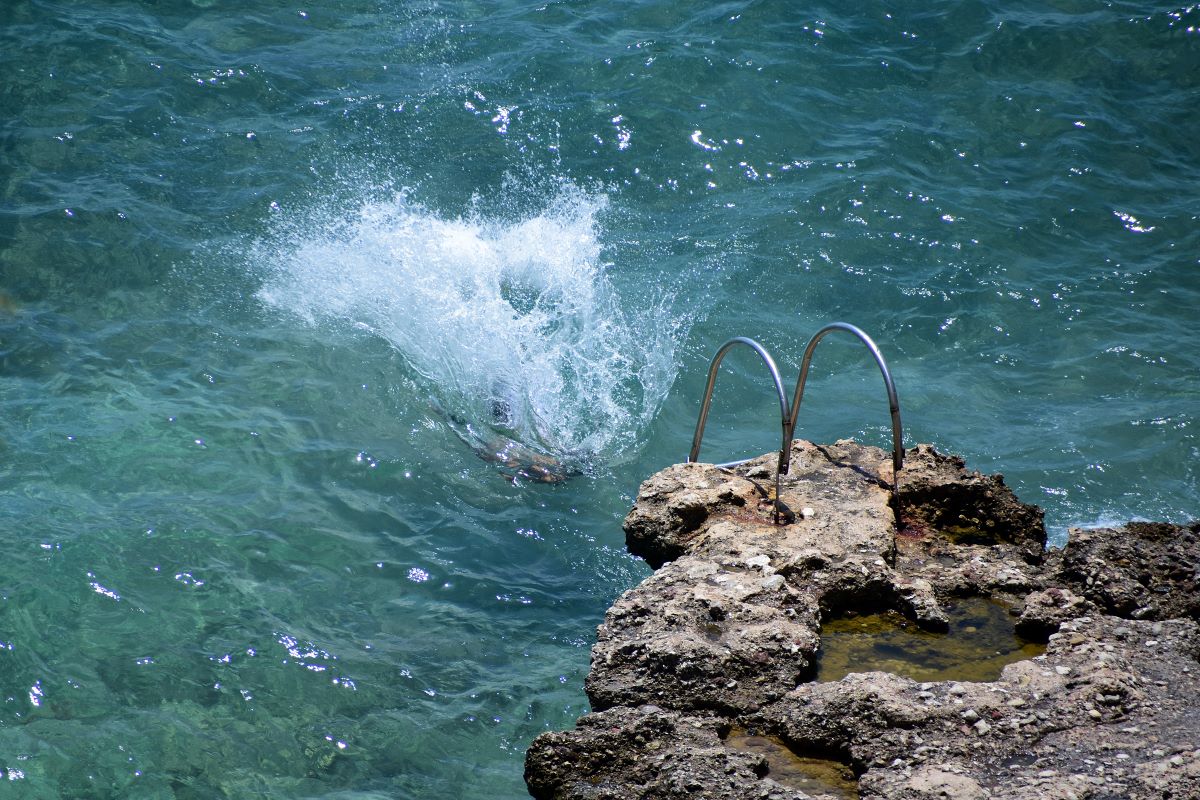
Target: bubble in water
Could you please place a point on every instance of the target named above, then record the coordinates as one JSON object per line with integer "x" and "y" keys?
{"x": 515, "y": 324}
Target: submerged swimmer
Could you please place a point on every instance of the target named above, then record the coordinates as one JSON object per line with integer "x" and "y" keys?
{"x": 517, "y": 461}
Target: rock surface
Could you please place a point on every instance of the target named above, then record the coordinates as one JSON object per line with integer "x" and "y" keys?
{"x": 726, "y": 636}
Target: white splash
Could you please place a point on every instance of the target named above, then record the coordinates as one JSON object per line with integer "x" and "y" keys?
{"x": 514, "y": 324}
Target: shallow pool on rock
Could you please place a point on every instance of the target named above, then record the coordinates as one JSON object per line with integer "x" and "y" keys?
{"x": 820, "y": 777}
{"x": 981, "y": 640}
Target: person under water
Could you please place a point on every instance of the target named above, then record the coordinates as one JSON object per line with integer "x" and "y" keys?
{"x": 517, "y": 461}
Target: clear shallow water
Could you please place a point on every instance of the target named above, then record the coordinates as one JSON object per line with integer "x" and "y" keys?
{"x": 258, "y": 269}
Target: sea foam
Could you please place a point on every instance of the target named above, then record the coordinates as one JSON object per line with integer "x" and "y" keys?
{"x": 514, "y": 324}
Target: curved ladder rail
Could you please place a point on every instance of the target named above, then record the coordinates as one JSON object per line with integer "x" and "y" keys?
{"x": 784, "y": 409}
{"x": 893, "y": 401}
{"x": 790, "y": 412}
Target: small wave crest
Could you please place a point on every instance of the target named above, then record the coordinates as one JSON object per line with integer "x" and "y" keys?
{"x": 514, "y": 324}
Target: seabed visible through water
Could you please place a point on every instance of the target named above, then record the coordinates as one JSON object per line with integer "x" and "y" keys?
{"x": 819, "y": 776}
{"x": 980, "y": 642}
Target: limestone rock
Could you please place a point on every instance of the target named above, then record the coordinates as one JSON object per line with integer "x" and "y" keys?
{"x": 725, "y": 636}
{"x": 629, "y": 754}
{"x": 1046, "y": 610}
{"x": 937, "y": 491}
{"x": 1145, "y": 570}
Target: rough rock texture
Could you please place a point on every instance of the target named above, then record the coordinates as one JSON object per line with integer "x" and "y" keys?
{"x": 939, "y": 493}
{"x": 1109, "y": 701}
{"x": 1146, "y": 570}
{"x": 731, "y": 622}
{"x": 725, "y": 636}
{"x": 647, "y": 752}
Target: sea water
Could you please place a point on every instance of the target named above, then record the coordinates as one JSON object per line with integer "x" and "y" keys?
{"x": 278, "y": 282}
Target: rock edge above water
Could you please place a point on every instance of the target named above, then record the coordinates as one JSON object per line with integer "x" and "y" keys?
{"x": 724, "y": 637}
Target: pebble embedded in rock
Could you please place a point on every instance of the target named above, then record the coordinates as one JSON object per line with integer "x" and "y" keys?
{"x": 772, "y": 583}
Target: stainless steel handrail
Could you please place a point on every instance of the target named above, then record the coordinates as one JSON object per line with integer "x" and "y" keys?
{"x": 789, "y": 412}
{"x": 784, "y": 409}
{"x": 893, "y": 400}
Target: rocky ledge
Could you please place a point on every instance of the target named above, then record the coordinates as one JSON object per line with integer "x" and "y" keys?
{"x": 915, "y": 643}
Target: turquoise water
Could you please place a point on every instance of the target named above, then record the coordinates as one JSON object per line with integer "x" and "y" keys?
{"x": 270, "y": 278}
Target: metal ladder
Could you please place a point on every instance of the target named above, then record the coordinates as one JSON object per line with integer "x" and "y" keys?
{"x": 788, "y": 412}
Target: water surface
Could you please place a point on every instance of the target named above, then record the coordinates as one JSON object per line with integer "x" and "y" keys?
{"x": 271, "y": 280}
